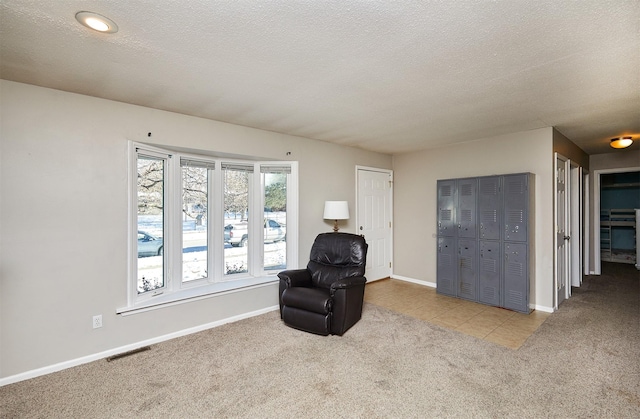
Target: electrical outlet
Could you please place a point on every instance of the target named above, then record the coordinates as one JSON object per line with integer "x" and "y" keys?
{"x": 97, "y": 321}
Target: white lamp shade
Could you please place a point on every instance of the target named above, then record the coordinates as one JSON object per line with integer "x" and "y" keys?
{"x": 336, "y": 210}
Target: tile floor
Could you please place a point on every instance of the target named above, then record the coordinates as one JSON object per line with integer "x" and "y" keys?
{"x": 493, "y": 324}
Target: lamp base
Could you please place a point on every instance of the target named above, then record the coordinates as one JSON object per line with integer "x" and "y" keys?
{"x": 335, "y": 226}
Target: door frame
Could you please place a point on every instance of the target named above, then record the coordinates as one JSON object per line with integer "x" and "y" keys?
{"x": 597, "y": 265}
{"x": 389, "y": 172}
{"x": 575, "y": 220}
{"x": 567, "y": 259}
{"x": 586, "y": 223}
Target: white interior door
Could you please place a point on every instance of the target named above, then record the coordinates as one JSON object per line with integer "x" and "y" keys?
{"x": 374, "y": 219}
{"x": 561, "y": 237}
{"x": 586, "y": 224}
{"x": 575, "y": 220}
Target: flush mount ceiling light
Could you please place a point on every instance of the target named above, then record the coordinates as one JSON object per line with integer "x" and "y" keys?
{"x": 97, "y": 22}
{"x": 622, "y": 142}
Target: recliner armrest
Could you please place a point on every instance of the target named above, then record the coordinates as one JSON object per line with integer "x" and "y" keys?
{"x": 349, "y": 282}
{"x": 296, "y": 277}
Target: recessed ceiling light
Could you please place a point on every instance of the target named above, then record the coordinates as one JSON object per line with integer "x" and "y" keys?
{"x": 97, "y": 22}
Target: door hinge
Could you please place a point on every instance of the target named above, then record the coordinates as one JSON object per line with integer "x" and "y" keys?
{"x": 389, "y": 224}
{"x": 389, "y": 264}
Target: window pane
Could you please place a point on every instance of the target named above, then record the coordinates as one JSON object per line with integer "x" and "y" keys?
{"x": 194, "y": 222}
{"x": 236, "y": 214}
{"x": 151, "y": 175}
{"x": 275, "y": 220}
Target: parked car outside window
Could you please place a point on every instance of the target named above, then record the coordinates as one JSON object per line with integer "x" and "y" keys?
{"x": 149, "y": 245}
{"x": 236, "y": 234}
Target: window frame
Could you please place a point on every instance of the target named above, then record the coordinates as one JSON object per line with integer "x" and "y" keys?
{"x": 179, "y": 224}
{"x": 175, "y": 290}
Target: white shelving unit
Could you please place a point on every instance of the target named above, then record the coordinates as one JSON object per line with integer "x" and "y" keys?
{"x": 613, "y": 219}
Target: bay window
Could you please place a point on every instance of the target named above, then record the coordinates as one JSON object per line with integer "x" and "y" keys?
{"x": 202, "y": 225}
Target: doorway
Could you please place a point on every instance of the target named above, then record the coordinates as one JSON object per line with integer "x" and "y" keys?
{"x": 561, "y": 238}
{"x": 374, "y": 214}
{"x": 568, "y": 224}
{"x": 598, "y": 237}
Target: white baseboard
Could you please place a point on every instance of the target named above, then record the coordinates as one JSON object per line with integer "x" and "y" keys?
{"x": 100, "y": 355}
{"x": 544, "y": 309}
{"x": 414, "y": 281}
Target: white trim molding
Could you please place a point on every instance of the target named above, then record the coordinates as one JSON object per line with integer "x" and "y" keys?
{"x": 414, "y": 281}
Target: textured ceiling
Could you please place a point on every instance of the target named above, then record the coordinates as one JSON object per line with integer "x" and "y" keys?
{"x": 386, "y": 76}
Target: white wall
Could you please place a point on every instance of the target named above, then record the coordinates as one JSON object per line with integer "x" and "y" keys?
{"x": 415, "y": 206}
{"x": 63, "y": 219}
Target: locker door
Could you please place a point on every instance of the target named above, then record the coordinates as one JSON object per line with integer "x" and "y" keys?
{"x": 446, "y": 207}
{"x": 446, "y": 269}
{"x": 466, "y": 210}
{"x": 468, "y": 269}
{"x": 516, "y": 207}
{"x": 489, "y": 280}
{"x": 516, "y": 284}
{"x": 489, "y": 207}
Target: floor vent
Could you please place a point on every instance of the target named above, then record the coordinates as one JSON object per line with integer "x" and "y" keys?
{"x": 129, "y": 353}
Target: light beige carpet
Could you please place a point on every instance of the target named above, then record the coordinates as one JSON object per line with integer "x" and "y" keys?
{"x": 582, "y": 362}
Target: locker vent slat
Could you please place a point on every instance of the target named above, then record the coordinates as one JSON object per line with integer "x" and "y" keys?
{"x": 514, "y": 268}
{"x": 514, "y": 297}
{"x": 489, "y": 216}
{"x": 489, "y": 188}
{"x": 515, "y": 217}
{"x": 489, "y": 293}
{"x": 445, "y": 259}
{"x": 489, "y": 265}
{"x": 466, "y": 263}
{"x": 515, "y": 187}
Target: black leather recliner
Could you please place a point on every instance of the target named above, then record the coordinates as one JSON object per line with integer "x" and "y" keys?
{"x": 327, "y": 297}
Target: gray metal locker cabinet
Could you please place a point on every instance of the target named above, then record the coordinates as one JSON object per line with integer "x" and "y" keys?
{"x": 516, "y": 277}
{"x": 490, "y": 207}
{"x": 489, "y": 276}
{"x": 516, "y": 207}
{"x": 468, "y": 269}
{"x": 447, "y": 266}
{"x": 447, "y": 203}
{"x": 466, "y": 210}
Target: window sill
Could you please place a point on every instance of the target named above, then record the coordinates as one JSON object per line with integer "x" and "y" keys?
{"x": 196, "y": 293}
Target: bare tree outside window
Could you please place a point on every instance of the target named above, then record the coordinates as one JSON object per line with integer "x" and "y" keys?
{"x": 236, "y": 193}
{"x": 236, "y": 204}
{"x": 150, "y": 197}
{"x": 195, "y": 203}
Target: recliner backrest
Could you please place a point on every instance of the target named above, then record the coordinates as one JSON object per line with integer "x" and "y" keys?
{"x": 336, "y": 256}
